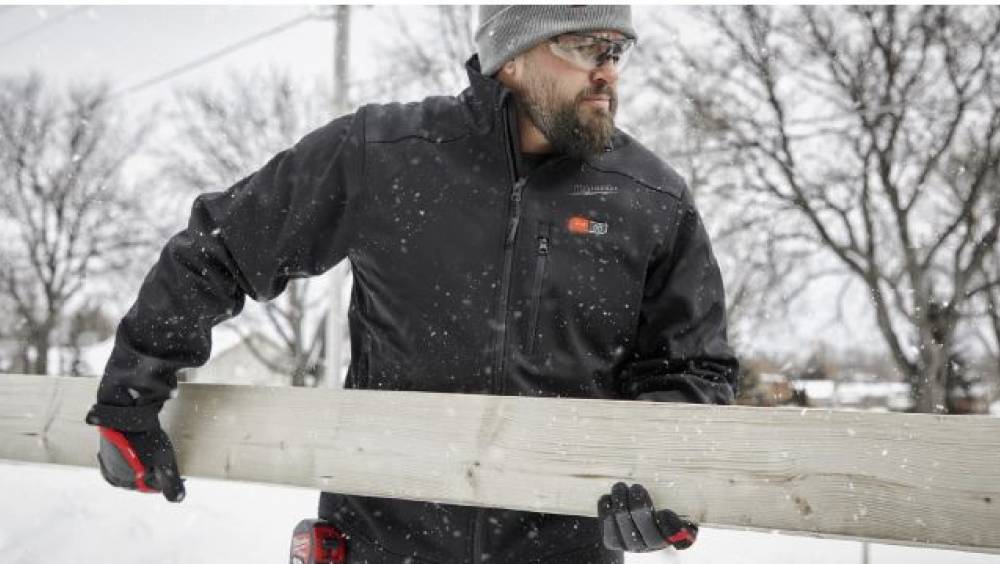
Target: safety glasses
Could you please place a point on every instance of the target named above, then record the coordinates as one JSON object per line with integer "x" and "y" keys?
{"x": 588, "y": 52}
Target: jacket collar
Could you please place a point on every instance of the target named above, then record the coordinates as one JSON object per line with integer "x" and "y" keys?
{"x": 488, "y": 95}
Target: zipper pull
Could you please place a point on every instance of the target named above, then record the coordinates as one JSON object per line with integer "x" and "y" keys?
{"x": 543, "y": 245}
{"x": 515, "y": 195}
{"x": 518, "y": 188}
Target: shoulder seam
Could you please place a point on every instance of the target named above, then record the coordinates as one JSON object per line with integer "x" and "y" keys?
{"x": 638, "y": 181}
{"x": 420, "y": 137}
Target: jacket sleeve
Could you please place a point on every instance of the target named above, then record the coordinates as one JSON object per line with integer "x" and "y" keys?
{"x": 682, "y": 352}
{"x": 289, "y": 219}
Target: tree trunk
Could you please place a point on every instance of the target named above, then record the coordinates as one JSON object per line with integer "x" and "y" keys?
{"x": 40, "y": 344}
{"x": 299, "y": 376}
{"x": 22, "y": 362}
{"x": 928, "y": 385}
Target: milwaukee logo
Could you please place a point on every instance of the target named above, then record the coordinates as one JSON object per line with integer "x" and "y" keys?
{"x": 583, "y": 226}
{"x": 593, "y": 189}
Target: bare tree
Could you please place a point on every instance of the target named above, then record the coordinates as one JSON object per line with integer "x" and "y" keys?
{"x": 224, "y": 134}
{"x": 764, "y": 269}
{"x": 986, "y": 306}
{"x": 430, "y": 47}
{"x": 66, "y": 216}
{"x": 878, "y": 130}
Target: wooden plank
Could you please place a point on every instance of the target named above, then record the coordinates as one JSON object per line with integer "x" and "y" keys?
{"x": 902, "y": 478}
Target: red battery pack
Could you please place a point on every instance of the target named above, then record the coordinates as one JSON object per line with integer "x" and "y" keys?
{"x": 315, "y": 541}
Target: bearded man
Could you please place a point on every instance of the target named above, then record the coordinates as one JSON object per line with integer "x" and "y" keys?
{"x": 509, "y": 240}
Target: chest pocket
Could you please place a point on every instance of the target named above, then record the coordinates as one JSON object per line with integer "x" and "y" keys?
{"x": 586, "y": 285}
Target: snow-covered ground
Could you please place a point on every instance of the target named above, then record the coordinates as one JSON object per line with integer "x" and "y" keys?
{"x": 68, "y": 514}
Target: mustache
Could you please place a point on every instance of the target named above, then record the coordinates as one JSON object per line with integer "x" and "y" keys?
{"x": 601, "y": 90}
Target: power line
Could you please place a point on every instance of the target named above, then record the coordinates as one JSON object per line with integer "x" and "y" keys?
{"x": 56, "y": 19}
{"x": 211, "y": 56}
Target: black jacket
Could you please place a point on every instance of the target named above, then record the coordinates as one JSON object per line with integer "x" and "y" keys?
{"x": 589, "y": 279}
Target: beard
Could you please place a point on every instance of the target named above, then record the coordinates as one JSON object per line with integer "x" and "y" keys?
{"x": 572, "y": 127}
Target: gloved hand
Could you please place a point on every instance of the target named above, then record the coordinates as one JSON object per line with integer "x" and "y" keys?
{"x": 630, "y": 523}
{"x": 135, "y": 453}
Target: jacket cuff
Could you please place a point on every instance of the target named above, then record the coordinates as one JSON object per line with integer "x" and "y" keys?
{"x": 693, "y": 388}
{"x": 140, "y": 418}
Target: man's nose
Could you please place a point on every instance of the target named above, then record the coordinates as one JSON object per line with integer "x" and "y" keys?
{"x": 607, "y": 72}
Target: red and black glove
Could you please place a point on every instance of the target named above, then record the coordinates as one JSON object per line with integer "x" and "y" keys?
{"x": 630, "y": 523}
{"x": 135, "y": 453}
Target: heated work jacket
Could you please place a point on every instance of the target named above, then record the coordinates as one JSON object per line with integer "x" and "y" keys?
{"x": 586, "y": 278}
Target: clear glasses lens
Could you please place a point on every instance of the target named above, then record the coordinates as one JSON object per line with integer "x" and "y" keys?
{"x": 588, "y": 52}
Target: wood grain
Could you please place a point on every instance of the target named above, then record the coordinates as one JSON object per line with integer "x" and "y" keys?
{"x": 902, "y": 478}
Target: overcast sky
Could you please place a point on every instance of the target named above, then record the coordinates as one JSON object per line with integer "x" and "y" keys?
{"x": 130, "y": 44}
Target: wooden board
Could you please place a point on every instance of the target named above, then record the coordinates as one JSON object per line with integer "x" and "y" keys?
{"x": 907, "y": 479}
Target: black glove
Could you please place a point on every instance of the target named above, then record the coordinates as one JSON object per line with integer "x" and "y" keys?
{"x": 630, "y": 523}
{"x": 135, "y": 453}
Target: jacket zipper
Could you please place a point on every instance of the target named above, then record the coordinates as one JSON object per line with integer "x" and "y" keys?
{"x": 508, "y": 261}
{"x": 541, "y": 260}
{"x": 477, "y": 536}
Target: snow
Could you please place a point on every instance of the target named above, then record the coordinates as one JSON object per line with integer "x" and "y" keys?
{"x": 895, "y": 395}
{"x": 217, "y": 521}
{"x": 68, "y": 514}
{"x": 851, "y": 392}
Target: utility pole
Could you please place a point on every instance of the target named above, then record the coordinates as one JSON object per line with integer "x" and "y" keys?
{"x": 341, "y": 57}
{"x": 340, "y": 279}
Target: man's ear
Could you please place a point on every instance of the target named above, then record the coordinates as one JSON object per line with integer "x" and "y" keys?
{"x": 508, "y": 69}
{"x": 509, "y": 72}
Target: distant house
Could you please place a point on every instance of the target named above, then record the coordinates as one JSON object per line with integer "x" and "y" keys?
{"x": 237, "y": 361}
{"x": 232, "y": 362}
{"x": 892, "y": 396}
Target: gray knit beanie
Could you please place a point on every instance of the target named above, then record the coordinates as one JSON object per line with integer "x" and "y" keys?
{"x": 506, "y": 31}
